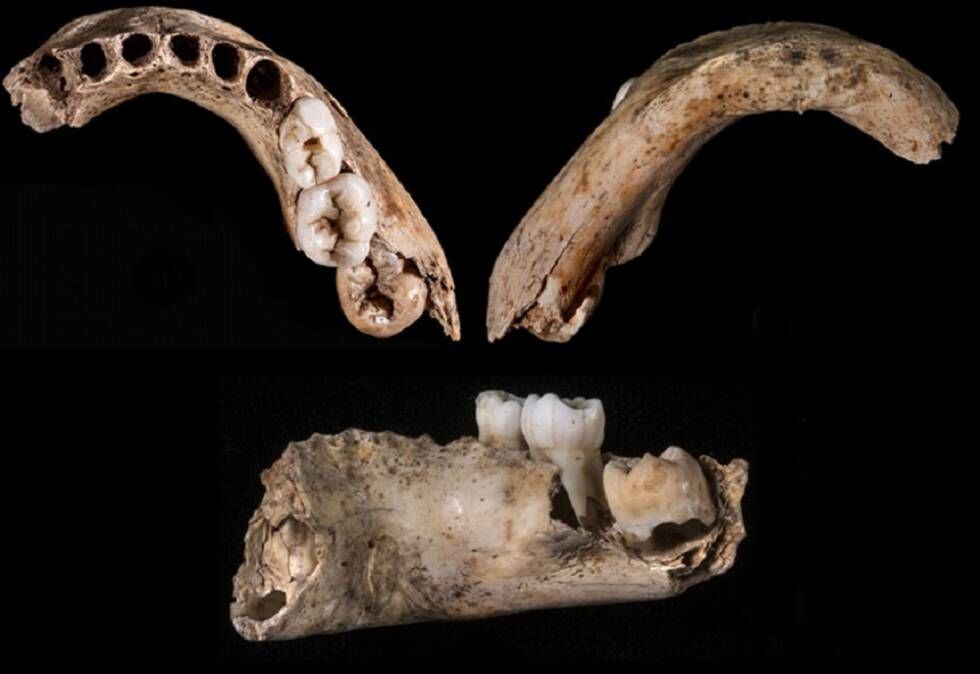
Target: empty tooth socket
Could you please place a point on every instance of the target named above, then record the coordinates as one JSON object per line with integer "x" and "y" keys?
{"x": 226, "y": 61}
{"x": 93, "y": 60}
{"x": 265, "y": 83}
{"x": 52, "y": 73}
{"x": 137, "y": 49}
{"x": 50, "y": 64}
{"x": 187, "y": 48}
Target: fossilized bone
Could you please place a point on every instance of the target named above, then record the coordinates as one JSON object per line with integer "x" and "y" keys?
{"x": 364, "y": 529}
{"x": 341, "y": 203}
{"x": 603, "y": 208}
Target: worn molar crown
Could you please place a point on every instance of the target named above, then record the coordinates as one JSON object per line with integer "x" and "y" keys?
{"x": 312, "y": 150}
{"x": 569, "y": 433}
{"x": 336, "y": 220}
{"x": 498, "y": 418}
{"x": 645, "y": 493}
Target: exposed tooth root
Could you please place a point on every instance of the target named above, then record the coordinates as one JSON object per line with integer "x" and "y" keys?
{"x": 336, "y": 220}
{"x": 645, "y": 493}
{"x": 311, "y": 148}
{"x": 498, "y": 417}
{"x": 569, "y": 434}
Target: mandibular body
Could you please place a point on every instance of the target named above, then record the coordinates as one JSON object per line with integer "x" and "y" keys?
{"x": 363, "y": 529}
{"x": 342, "y": 205}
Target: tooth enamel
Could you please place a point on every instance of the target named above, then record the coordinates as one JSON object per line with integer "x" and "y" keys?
{"x": 568, "y": 433}
{"x": 623, "y": 92}
{"x": 336, "y": 220}
{"x": 644, "y": 493}
{"x": 311, "y": 147}
{"x": 498, "y": 417}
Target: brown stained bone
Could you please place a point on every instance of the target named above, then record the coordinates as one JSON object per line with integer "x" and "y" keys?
{"x": 97, "y": 62}
{"x": 603, "y": 209}
{"x": 365, "y": 529}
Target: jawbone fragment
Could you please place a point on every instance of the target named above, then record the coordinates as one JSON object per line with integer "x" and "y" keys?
{"x": 603, "y": 208}
{"x": 366, "y": 529}
{"x": 300, "y": 134}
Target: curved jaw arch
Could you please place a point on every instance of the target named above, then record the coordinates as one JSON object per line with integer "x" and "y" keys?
{"x": 287, "y": 118}
{"x": 603, "y": 208}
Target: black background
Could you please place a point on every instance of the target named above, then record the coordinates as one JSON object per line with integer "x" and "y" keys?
{"x": 805, "y": 294}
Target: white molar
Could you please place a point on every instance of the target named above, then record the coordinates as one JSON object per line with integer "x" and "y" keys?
{"x": 569, "y": 434}
{"x": 623, "y": 92}
{"x": 498, "y": 418}
{"x": 644, "y": 493}
{"x": 311, "y": 147}
{"x": 336, "y": 220}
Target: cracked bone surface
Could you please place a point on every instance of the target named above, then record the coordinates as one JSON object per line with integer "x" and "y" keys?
{"x": 299, "y": 133}
{"x": 603, "y": 209}
{"x": 365, "y": 529}
{"x": 645, "y": 493}
{"x": 569, "y": 434}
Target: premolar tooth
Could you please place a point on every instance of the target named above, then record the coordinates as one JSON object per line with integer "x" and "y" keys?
{"x": 569, "y": 434}
{"x": 336, "y": 220}
{"x": 498, "y": 417}
{"x": 311, "y": 147}
{"x": 645, "y": 493}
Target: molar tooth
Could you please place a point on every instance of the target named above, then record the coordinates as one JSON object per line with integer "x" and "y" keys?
{"x": 644, "y": 493}
{"x": 498, "y": 417}
{"x": 569, "y": 433}
{"x": 336, "y": 220}
{"x": 311, "y": 147}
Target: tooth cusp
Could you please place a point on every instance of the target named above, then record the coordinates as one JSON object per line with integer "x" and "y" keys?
{"x": 336, "y": 220}
{"x": 498, "y": 418}
{"x": 643, "y": 494}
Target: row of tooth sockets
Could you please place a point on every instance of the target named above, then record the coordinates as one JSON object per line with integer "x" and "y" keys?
{"x": 264, "y": 83}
